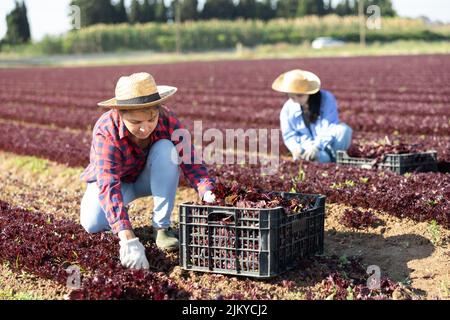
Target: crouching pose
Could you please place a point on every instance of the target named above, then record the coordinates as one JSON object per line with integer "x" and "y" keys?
{"x": 132, "y": 156}
{"x": 309, "y": 118}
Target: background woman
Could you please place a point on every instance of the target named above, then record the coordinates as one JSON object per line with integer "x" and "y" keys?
{"x": 309, "y": 118}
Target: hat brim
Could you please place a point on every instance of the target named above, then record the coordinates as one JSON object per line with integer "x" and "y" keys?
{"x": 165, "y": 93}
{"x": 311, "y": 87}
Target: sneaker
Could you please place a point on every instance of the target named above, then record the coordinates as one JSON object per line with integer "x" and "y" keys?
{"x": 165, "y": 239}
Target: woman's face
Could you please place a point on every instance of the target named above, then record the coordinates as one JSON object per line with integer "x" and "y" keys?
{"x": 141, "y": 123}
{"x": 299, "y": 98}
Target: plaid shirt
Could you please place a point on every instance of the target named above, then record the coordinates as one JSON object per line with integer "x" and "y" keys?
{"x": 115, "y": 158}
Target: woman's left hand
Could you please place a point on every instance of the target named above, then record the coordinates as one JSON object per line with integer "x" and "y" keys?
{"x": 209, "y": 197}
{"x": 310, "y": 153}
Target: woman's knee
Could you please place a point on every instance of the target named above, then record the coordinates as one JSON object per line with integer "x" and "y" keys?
{"x": 91, "y": 223}
{"x": 92, "y": 217}
{"x": 343, "y": 129}
{"x": 90, "y": 227}
{"x": 323, "y": 157}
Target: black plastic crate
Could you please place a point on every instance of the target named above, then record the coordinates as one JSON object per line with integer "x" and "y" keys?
{"x": 250, "y": 242}
{"x": 398, "y": 163}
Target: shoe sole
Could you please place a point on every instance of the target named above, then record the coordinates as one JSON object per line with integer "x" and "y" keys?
{"x": 170, "y": 249}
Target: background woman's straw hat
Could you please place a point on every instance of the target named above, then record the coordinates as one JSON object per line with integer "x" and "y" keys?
{"x": 297, "y": 81}
{"x": 138, "y": 91}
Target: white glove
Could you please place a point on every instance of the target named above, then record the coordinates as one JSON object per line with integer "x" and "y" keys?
{"x": 297, "y": 154}
{"x": 132, "y": 254}
{"x": 311, "y": 152}
{"x": 209, "y": 197}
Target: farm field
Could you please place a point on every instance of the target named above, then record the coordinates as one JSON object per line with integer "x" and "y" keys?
{"x": 47, "y": 116}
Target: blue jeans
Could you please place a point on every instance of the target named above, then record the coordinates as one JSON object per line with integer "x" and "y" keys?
{"x": 159, "y": 178}
{"x": 342, "y": 137}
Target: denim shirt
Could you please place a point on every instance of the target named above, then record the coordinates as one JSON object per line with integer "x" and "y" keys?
{"x": 296, "y": 134}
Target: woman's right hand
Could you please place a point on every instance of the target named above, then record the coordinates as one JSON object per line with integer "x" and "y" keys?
{"x": 209, "y": 197}
{"x": 132, "y": 254}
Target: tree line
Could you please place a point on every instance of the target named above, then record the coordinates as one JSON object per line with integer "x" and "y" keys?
{"x": 143, "y": 11}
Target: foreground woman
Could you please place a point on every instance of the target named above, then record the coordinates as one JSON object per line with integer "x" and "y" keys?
{"x": 309, "y": 118}
{"x": 132, "y": 156}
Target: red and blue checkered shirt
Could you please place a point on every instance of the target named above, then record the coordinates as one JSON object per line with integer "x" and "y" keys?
{"x": 115, "y": 158}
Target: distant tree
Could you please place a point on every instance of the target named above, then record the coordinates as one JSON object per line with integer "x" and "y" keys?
{"x": 120, "y": 12}
{"x": 346, "y": 8}
{"x": 148, "y": 11}
{"x": 160, "y": 11}
{"x": 350, "y": 7}
{"x": 18, "y": 28}
{"x": 310, "y": 7}
{"x": 386, "y": 7}
{"x": 218, "y": 9}
{"x": 135, "y": 15}
{"x": 265, "y": 10}
{"x": 287, "y": 8}
{"x": 189, "y": 10}
{"x": 93, "y": 12}
{"x": 329, "y": 7}
{"x": 24, "y": 25}
{"x": 246, "y": 9}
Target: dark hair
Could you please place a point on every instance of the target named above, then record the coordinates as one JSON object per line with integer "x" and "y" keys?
{"x": 314, "y": 102}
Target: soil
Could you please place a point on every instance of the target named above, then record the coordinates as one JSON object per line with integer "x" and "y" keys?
{"x": 405, "y": 250}
{"x": 29, "y": 286}
{"x": 402, "y": 248}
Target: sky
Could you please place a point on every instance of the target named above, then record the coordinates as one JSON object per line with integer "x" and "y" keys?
{"x": 52, "y": 16}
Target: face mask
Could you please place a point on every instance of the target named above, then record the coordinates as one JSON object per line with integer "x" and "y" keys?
{"x": 295, "y": 103}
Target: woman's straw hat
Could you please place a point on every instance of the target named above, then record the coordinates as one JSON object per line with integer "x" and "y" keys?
{"x": 297, "y": 81}
{"x": 138, "y": 91}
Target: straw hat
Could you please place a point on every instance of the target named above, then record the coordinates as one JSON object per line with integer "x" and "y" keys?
{"x": 138, "y": 91}
{"x": 297, "y": 81}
